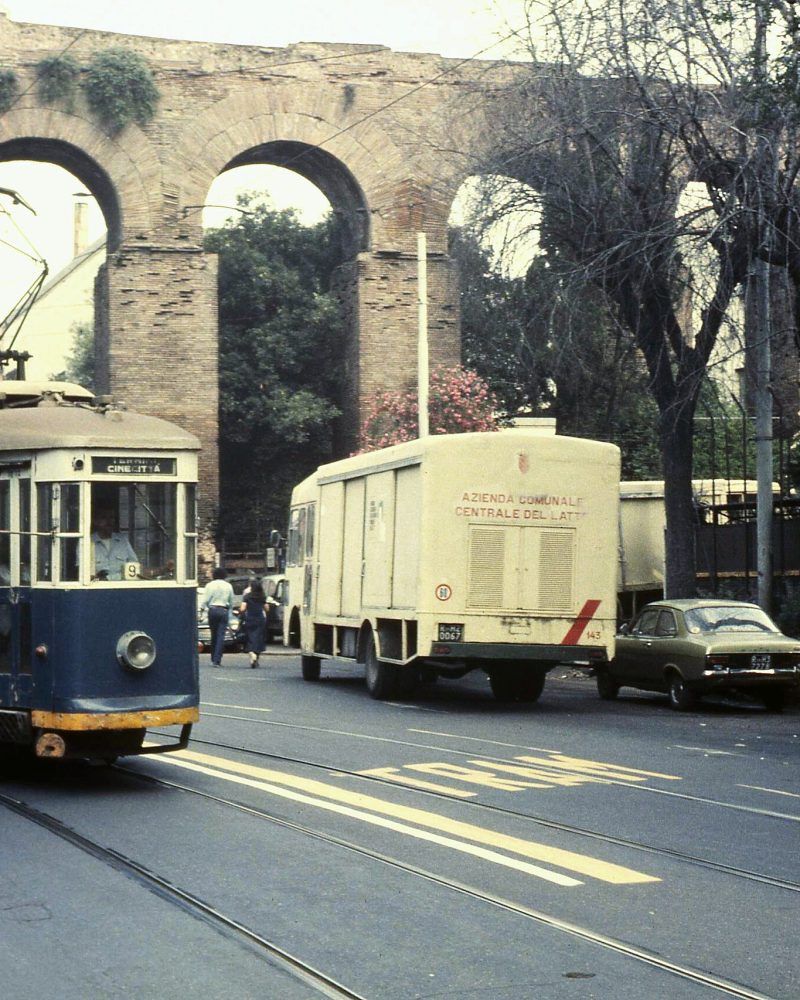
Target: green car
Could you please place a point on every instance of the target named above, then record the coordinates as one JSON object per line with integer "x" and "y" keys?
{"x": 688, "y": 648}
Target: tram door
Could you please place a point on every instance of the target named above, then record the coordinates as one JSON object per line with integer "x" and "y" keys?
{"x": 15, "y": 593}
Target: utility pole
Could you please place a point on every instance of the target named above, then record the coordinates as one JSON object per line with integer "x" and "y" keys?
{"x": 422, "y": 333}
{"x": 762, "y": 400}
{"x": 760, "y": 333}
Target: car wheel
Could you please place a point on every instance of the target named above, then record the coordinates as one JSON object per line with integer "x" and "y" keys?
{"x": 381, "y": 677}
{"x": 607, "y": 688}
{"x": 774, "y": 699}
{"x": 681, "y": 697}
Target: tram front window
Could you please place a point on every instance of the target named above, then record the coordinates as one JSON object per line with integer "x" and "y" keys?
{"x": 134, "y": 531}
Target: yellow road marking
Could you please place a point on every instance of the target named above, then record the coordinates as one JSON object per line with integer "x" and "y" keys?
{"x": 615, "y": 772}
{"x": 393, "y": 774}
{"x": 474, "y": 777}
{"x": 472, "y": 849}
{"x": 569, "y": 860}
{"x": 569, "y": 780}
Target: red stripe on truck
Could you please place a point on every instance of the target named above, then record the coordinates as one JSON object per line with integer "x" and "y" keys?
{"x": 576, "y": 630}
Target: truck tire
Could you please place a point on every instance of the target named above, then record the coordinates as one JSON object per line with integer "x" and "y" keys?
{"x": 407, "y": 680}
{"x": 381, "y": 677}
{"x": 516, "y": 683}
{"x": 310, "y": 665}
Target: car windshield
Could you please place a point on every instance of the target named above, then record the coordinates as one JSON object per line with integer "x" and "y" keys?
{"x": 728, "y": 618}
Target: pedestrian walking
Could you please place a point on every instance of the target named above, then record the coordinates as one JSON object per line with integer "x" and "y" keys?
{"x": 253, "y": 611}
{"x": 218, "y": 599}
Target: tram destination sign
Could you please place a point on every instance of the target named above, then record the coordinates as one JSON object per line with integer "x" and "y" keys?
{"x": 134, "y": 465}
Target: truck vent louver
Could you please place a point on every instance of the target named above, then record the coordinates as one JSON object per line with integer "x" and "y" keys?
{"x": 486, "y": 567}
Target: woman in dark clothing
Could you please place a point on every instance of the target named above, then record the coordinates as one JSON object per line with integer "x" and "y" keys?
{"x": 254, "y": 619}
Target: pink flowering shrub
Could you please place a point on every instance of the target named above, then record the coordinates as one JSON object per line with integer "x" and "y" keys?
{"x": 458, "y": 401}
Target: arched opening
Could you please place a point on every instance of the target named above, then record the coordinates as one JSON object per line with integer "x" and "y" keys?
{"x": 503, "y": 216}
{"x": 326, "y": 173}
{"x": 55, "y": 225}
{"x": 281, "y": 335}
{"x": 76, "y": 162}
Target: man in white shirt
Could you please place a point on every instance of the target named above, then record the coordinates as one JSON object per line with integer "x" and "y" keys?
{"x": 111, "y": 548}
{"x": 218, "y": 598}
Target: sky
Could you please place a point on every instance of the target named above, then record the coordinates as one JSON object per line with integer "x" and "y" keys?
{"x": 454, "y": 28}
{"x": 448, "y": 27}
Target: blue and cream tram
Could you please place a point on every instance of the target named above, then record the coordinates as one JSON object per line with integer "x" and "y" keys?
{"x": 98, "y": 567}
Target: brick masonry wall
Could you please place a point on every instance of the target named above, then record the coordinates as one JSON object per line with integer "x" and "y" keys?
{"x": 387, "y": 136}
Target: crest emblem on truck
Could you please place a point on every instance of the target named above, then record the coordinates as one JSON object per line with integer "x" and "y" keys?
{"x": 523, "y": 462}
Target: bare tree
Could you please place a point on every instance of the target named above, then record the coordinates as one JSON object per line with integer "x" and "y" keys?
{"x": 627, "y": 103}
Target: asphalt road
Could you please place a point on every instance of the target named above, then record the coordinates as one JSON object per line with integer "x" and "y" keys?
{"x": 448, "y": 847}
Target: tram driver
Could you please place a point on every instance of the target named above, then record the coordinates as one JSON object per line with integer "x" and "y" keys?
{"x": 111, "y": 549}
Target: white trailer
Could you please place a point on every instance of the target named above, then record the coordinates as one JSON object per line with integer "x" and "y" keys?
{"x": 643, "y": 523}
{"x": 493, "y": 551}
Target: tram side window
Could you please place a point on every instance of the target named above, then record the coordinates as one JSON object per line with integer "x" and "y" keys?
{"x": 69, "y": 523}
{"x": 5, "y": 536}
{"x": 44, "y": 525}
{"x": 190, "y": 531}
{"x": 58, "y": 515}
{"x": 25, "y": 531}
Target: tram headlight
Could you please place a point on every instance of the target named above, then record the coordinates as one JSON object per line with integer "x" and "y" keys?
{"x": 136, "y": 650}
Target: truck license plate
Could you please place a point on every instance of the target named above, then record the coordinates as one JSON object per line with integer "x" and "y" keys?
{"x": 450, "y": 632}
{"x": 760, "y": 661}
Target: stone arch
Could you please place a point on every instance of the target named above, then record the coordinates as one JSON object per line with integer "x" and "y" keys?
{"x": 120, "y": 171}
{"x": 385, "y": 196}
{"x": 357, "y": 166}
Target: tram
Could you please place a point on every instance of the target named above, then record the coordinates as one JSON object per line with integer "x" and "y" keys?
{"x": 98, "y": 575}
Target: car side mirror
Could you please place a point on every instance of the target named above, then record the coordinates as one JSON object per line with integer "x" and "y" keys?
{"x": 624, "y": 628}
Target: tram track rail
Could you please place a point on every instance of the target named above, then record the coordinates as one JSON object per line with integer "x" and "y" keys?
{"x": 541, "y": 821}
{"x": 586, "y": 934}
{"x": 267, "y": 950}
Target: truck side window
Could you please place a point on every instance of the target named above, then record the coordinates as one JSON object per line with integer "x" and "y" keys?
{"x": 309, "y": 548}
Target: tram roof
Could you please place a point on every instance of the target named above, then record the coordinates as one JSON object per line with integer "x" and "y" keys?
{"x": 25, "y": 393}
{"x": 53, "y": 421}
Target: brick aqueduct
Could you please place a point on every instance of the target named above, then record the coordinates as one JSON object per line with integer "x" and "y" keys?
{"x": 388, "y": 137}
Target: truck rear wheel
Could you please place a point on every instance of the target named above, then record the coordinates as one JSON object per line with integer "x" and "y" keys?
{"x": 516, "y": 683}
{"x": 310, "y": 665}
{"x": 382, "y": 679}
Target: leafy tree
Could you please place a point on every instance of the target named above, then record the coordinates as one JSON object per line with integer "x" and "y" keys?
{"x": 280, "y": 359}
{"x": 545, "y": 350}
{"x": 625, "y": 104}
{"x": 80, "y": 361}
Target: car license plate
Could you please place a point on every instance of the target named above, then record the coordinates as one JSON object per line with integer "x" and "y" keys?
{"x": 450, "y": 632}
{"x": 760, "y": 661}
